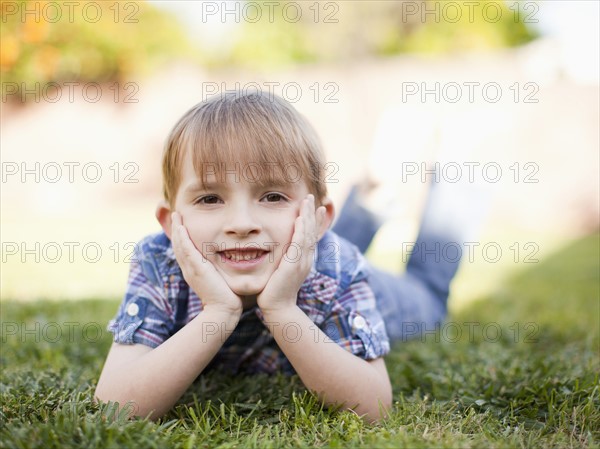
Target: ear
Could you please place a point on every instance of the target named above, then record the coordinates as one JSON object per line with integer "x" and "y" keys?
{"x": 329, "y": 215}
{"x": 163, "y": 215}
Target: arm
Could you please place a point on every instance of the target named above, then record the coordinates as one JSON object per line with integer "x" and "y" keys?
{"x": 154, "y": 379}
{"x": 334, "y": 374}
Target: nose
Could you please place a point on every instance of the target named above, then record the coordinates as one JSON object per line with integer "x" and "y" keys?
{"x": 241, "y": 221}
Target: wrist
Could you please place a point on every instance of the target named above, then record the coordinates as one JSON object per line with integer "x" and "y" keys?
{"x": 214, "y": 325}
{"x": 223, "y": 311}
{"x": 281, "y": 312}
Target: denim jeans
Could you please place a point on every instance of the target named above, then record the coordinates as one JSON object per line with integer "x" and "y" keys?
{"x": 415, "y": 301}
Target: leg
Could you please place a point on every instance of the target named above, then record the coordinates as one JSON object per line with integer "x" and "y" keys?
{"x": 407, "y": 305}
{"x": 356, "y": 223}
{"x": 417, "y": 301}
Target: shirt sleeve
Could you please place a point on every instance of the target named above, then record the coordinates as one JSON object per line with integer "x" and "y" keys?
{"x": 144, "y": 316}
{"x": 354, "y": 322}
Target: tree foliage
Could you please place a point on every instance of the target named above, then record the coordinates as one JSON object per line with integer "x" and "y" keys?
{"x": 83, "y": 41}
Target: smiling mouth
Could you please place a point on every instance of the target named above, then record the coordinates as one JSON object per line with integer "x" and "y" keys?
{"x": 242, "y": 255}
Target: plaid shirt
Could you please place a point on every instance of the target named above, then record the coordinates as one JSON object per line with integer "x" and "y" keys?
{"x": 336, "y": 296}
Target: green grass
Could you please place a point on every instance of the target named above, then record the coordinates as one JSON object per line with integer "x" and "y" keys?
{"x": 531, "y": 381}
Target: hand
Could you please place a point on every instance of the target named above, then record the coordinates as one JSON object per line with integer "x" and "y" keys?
{"x": 201, "y": 274}
{"x": 282, "y": 288}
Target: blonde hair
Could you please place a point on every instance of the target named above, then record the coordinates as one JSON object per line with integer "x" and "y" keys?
{"x": 259, "y": 133}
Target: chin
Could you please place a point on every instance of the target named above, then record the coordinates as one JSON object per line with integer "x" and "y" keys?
{"x": 246, "y": 289}
{"x": 246, "y": 292}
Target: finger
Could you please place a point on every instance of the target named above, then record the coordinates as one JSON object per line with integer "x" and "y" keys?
{"x": 297, "y": 236}
{"x": 182, "y": 243}
{"x": 188, "y": 247}
{"x": 311, "y": 231}
{"x": 311, "y": 217}
{"x": 315, "y": 218}
{"x": 319, "y": 220}
{"x": 300, "y": 224}
{"x": 307, "y": 205}
{"x": 175, "y": 218}
{"x": 175, "y": 223}
{"x": 300, "y": 240}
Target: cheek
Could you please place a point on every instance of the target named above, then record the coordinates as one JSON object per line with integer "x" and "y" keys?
{"x": 199, "y": 235}
{"x": 289, "y": 225}
{"x": 283, "y": 232}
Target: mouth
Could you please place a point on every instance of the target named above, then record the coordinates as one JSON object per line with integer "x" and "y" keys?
{"x": 246, "y": 256}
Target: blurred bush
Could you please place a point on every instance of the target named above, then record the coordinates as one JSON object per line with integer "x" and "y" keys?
{"x": 103, "y": 41}
{"x": 347, "y": 31}
{"x": 43, "y": 41}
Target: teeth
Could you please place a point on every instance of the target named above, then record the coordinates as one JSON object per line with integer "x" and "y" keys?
{"x": 237, "y": 256}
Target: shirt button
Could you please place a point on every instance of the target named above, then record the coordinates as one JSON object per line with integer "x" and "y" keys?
{"x": 359, "y": 322}
{"x": 133, "y": 309}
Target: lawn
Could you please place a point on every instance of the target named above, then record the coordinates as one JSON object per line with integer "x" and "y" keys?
{"x": 518, "y": 368}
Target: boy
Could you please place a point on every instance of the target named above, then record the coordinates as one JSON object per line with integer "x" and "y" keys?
{"x": 246, "y": 276}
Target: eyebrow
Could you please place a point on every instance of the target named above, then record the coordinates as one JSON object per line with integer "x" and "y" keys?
{"x": 197, "y": 186}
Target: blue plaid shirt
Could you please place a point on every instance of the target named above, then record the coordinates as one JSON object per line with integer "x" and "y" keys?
{"x": 336, "y": 296}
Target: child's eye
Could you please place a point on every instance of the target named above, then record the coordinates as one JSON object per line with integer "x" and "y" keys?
{"x": 274, "y": 197}
{"x": 207, "y": 199}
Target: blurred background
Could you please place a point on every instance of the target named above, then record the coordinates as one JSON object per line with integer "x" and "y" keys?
{"x": 503, "y": 92}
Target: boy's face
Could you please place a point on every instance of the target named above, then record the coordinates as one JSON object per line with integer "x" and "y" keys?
{"x": 243, "y": 228}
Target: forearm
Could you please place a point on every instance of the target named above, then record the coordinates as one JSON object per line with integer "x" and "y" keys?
{"x": 155, "y": 380}
{"x": 334, "y": 374}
